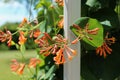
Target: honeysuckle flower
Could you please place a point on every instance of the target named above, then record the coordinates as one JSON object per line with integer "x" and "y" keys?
{"x": 85, "y": 32}
{"x": 40, "y": 42}
{"x": 23, "y": 22}
{"x": 36, "y": 33}
{"x": 104, "y": 49}
{"x": 3, "y": 36}
{"x": 33, "y": 62}
{"x": 60, "y": 2}
{"x": 20, "y": 69}
{"x": 54, "y": 49}
{"x": 75, "y": 41}
{"x": 92, "y": 31}
{"x": 9, "y": 37}
{"x": 17, "y": 67}
{"x": 110, "y": 41}
{"x": 22, "y": 38}
{"x": 70, "y": 52}
{"x": 46, "y": 50}
{"x": 59, "y": 58}
{"x": 47, "y": 36}
{"x": 43, "y": 41}
{"x": 59, "y": 39}
{"x": 60, "y": 47}
{"x": 6, "y": 37}
{"x": 61, "y": 23}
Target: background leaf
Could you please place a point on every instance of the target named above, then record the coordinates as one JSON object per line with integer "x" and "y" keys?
{"x": 22, "y": 48}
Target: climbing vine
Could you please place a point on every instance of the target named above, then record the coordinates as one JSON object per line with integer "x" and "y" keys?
{"x": 97, "y": 30}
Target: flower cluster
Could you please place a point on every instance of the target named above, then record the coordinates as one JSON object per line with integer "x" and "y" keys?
{"x": 104, "y": 49}
{"x": 62, "y": 46}
{"x": 55, "y": 45}
{"x": 84, "y": 32}
{"x": 19, "y": 67}
{"x": 27, "y": 29}
{"x": 6, "y": 36}
{"x": 57, "y": 48}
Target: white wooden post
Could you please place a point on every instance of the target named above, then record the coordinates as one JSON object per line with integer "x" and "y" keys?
{"x": 71, "y": 13}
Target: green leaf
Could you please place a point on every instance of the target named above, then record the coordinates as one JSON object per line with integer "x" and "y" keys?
{"x": 94, "y": 4}
{"x": 106, "y": 22}
{"x": 97, "y": 40}
{"x": 43, "y": 3}
{"x": 38, "y": 5}
{"x": 22, "y": 48}
{"x": 58, "y": 10}
{"x": 91, "y": 3}
{"x": 50, "y": 72}
{"x": 17, "y": 46}
{"x": 42, "y": 26}
{"x": 49, "y": 29}
{"x": 42, "y": 61}
{"x": 52, "y": 77}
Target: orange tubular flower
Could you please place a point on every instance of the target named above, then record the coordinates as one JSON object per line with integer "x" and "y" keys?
{"x": 61, "y": 23}
{"x": 59, "y": 58}
{"x": 17, "y": 67}
{"x": 46, "y": 51}
{"x": 110, "y": 40}
{"x": 20, "y": 69}
{"x": 60, "y": 47}
{"x": 36, "y": 33}
{"x": 2, "y": 36}
{"x": 6, "y": 36}
{"x": 93, "y": 31}
{"x": 60, "y": 2}
{"x": 23, "y": 22}
{"x": 22, "y": 39}
{"x": 9, "y": 37}
{"x": 75, "y": 41}
{"x": 85, "y": 32}
{"x": 104, "y": 49}
{"x": 70, "y": 52}
{"x": 43, "y": 41}
{"x": 33, "y": 62}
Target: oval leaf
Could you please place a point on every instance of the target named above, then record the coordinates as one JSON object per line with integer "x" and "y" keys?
{"x": 97, "y": 39}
